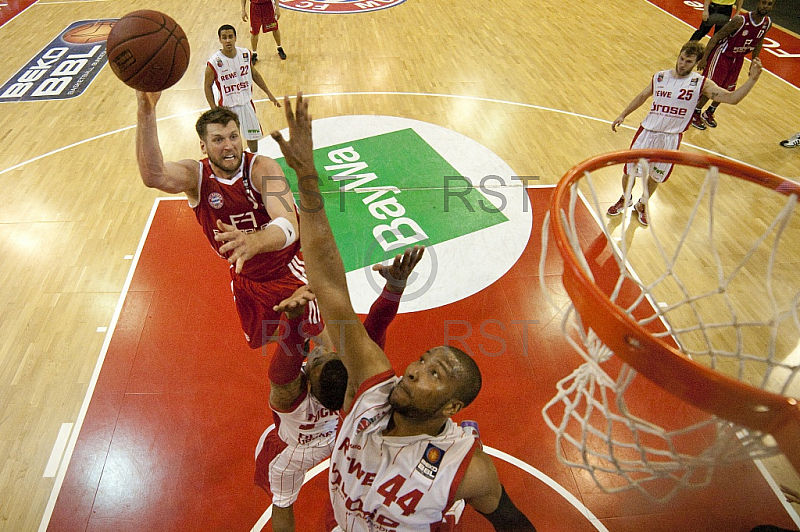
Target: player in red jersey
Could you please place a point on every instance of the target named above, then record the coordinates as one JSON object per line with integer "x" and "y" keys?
{"x": 724, "y": 55}
{"x": 264, "y": 15}
{"x": 245, "y": 208}
{"x": 396, "y": 434}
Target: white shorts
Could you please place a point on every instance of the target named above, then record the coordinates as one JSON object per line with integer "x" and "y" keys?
{"x": 287, "y": 465}
{"x": 646, "y": 139}
{"x": 248, "y": 121}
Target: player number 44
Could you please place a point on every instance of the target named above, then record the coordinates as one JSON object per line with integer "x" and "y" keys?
{"x": 408, "y": 502}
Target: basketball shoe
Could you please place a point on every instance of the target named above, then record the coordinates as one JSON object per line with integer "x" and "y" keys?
{"x": 618, "y": 207}
{"x": 708, "y": 116}
{"x": 697, "y": 120}
{"x": 281, "y": 53}
{"x": 791, "y": 142}
{"x": 641, "y": 212}
{"x": 254, "y": 58}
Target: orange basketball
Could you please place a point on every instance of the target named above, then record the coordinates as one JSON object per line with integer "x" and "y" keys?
{"x": 147, "y": 50}
{"x": 89, "y": 33}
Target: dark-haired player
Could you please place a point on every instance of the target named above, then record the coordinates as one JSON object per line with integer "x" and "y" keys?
{"x": 305, "y": 402}
{"x": 230, "y": 71}
{"x": 724, "y": 55}
{"x": 399, "y": 461}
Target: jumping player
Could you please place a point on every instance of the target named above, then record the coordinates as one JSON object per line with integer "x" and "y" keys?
{"x": 231, "y": 72}
{"x": 264, "y": 15}
{"x": 724, "y": 55}
{"x": 675, "y": 93}
{"x": 305, "y": 402}
{"x": 399, "y": 461}
{"x": 244, "y": 206}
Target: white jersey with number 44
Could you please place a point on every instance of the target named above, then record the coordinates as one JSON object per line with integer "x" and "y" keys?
{"x": 393, "y": 484}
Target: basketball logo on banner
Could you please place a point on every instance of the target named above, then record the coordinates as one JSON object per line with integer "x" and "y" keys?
{"x": 339, "y": 6}
{"x": 65, "y": 67}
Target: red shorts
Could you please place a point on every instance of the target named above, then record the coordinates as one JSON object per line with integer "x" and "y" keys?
{"x": 723, "y": 69}
{"x": 254, "y": 302}
{"x": 262, "y": 18}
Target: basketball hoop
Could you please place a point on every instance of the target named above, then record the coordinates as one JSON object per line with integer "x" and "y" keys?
{"x": 713, "y": 331}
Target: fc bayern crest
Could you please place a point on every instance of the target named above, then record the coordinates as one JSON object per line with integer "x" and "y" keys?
{"x": 215, "y": 200}
{"x": 339, "y": 6}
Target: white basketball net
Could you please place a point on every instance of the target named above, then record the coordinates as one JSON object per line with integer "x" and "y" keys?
{"x": 724, "y": 323}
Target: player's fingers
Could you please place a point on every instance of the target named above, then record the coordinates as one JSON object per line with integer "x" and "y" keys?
{"x": 239, "y": 264}
{"x": 289, "y": 112}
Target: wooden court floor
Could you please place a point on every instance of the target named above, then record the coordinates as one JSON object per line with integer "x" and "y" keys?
{"x": 536, "y": 84}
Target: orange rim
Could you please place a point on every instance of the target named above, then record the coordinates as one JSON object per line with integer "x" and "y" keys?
{"x": 652, "y": 357}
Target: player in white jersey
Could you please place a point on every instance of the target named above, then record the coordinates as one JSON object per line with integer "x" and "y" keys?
{"x": 389, "y": 411}
{"x": 231, "y": 73}
{"x": 305, "y": 402}
{"x": 675, "y": 93}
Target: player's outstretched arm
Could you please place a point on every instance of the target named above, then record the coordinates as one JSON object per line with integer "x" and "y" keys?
{"x": 244, "y": 10}
{"x": 286, "y": 382}
{"x": 360, "y": 355}
{"x": 635, "y": 104}
{"x": 714, "y": 92}
{"x": 168, "y": 177}
{"x": 728, "y": 29}
{"x": 208, "y": 84}
{"x": 384, "y": 309}
{"x": 481, "y": 489}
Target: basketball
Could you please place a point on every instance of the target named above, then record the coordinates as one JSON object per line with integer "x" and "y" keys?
{"x": 148, "y": 50}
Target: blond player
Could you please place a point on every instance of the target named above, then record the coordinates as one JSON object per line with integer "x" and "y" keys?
{"x": 230, "y": 71}
{"x": 675, "y": 94}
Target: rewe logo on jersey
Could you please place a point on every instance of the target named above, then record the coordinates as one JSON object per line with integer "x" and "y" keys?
{"x": 390, "y": 183}
{"x": 339, "y": 6}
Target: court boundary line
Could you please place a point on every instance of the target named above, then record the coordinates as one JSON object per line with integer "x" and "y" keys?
{"x": 78, "y": 424}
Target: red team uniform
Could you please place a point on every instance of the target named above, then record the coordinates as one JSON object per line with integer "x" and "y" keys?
{"x": 267, "y": 278}
{"x": 726, "y": 59}
{"x": 262, "y": 16}
{"x": 674, "y": 101}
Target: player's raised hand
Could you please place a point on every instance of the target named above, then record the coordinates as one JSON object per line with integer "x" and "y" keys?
{"x": 399, "y": 271}
{"x": 299, "y": 149}
{"x": 295, "y": 304}
{"x": 241, "y": 245}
